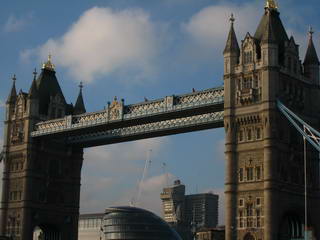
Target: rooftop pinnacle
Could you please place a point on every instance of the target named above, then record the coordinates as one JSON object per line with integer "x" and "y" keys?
{"x": 232, "y": 42}
{"x": 271, "y": 4}
{"x": 48, "y": 65}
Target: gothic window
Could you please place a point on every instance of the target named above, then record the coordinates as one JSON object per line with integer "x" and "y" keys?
{"x": 247, "y": 83}
{"x": 258, "y": 173}
{"x": 295, "y": 67}
{"x": 258, "y": 133}
{"x": 249, "y": 134}
{"x": 240, "y": 202}
{"x": 247, "y": 57}
{"x": 258, "y": 201}
{"x": 241, "y": 174}
{"x": 240, "y": 135}
{"x": 249, "y": 211}
{"x": 249, "y": 171}
{"x": 241, "y": 223}
{"x": 258, "y": 218}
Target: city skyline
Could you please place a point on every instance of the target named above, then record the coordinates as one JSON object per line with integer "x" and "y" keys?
{"x": 195, "y": 63}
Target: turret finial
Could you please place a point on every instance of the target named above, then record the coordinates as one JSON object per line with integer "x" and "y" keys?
{"x": 81, "y": 85}
{"x": 34, "y": 73}
{"x": 14, "y": 78}
{"x": 232, "y": 19}
{"x": 48, "y": 65}
{"x": 311, "y": 32}
{"x": 271, "y": 4}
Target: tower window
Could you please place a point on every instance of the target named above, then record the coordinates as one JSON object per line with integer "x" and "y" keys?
{"x": 249, "y": 134}
{"x": 241, "y": 135}
{"x": 241, "y": 174}
{"x": 258, "y": 201}
{"x": 258, "y": 133}
{"x": 249, "y": 171}
{"x": 258, "y": 173}
{"x": 258, "y": 218}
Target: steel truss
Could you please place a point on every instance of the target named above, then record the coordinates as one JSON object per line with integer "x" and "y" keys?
{"x": 308, "y": 132}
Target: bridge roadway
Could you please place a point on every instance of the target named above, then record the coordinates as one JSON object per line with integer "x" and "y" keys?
{"x": 120, "y": 123}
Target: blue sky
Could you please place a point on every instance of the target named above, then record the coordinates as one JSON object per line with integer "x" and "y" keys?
{"x": 135, "y": 49}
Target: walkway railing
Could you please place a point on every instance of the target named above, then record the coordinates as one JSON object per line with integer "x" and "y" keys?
{"x": 117, "y": 111}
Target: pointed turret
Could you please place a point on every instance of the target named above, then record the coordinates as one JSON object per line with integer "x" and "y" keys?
{"x": 232, "y": 45}
{"x": 13, "y": 93}
{"x": 48, "y": 87}
{"x": 79, "y": 107}
{"x": 271, "y": 30}
{"x": 33, "y": 92}
{"x": 311, "y": 62}
{"x": 268, "y": 35}
{"x": 311, "y": 55}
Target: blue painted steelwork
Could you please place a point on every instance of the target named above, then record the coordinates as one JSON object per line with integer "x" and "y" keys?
{"x": 308, "y": 132}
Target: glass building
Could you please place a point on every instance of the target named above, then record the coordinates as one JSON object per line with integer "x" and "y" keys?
{"x": 135, "y": 223}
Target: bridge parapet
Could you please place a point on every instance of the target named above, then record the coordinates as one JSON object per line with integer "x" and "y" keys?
{"x": 117, "y": 111}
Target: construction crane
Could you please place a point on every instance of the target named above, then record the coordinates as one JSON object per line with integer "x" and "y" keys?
{"x": 147, "y": 164}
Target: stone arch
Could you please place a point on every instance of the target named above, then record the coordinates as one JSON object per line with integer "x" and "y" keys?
{"x": 46, "y": 232}
{"x": 291, "y": 227}
{"x": 249, "y": 236}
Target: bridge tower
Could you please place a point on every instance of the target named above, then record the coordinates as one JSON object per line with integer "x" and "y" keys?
{"x": 264, "y": 183}
{"x": 41, "y": 180}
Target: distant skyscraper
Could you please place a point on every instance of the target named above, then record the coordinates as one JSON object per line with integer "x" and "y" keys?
{"x": 202, "y": 209}
{"x": 173, "y": 202}
{"x": 184, "y": 211}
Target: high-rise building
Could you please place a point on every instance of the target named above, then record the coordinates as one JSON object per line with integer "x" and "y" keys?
{"x": 173, "y": 202}
{"x": 187, "y": 213}
{"x": 202, "y": 209}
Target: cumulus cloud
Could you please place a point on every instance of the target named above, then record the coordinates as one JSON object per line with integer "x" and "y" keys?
{"x": 111, "y": 174}
{"x": 210, "y": 26}
{"x": 104, "y": 41}
{"x": 16, "y": 24}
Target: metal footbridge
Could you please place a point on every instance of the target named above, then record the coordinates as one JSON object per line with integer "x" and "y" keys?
{"x": 119, "y": 122}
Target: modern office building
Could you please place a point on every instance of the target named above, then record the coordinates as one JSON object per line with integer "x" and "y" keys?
{"x": 173, "y": 202}
{"x": 90, "y": 226}
{"x": 187, "y": 213}
{"x": 202, "y": 209}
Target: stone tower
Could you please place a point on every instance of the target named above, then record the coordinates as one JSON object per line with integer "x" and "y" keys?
{"x": 264, "y": 154}
{"x": 41, "y": 180}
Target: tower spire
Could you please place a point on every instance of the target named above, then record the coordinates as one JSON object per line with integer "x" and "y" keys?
{"x": 13, "y": 93}
{"x": 232, "y": 45}
{"x": 33, "y": 92}
{"x": 311, "y": 57}
{"x": 79, "y": 107}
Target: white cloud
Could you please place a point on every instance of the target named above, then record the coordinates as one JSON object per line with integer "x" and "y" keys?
{"x": 110, "y": 175}
{"x": 210, "y": 26}
{"x": 103, "y": 41}
{"x": 15, "y": 24}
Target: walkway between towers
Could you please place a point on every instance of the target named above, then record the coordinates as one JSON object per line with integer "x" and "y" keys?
{"x": 119, "y": 122}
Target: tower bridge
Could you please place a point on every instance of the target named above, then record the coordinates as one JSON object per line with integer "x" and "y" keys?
{"x": 264, "y": 180}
